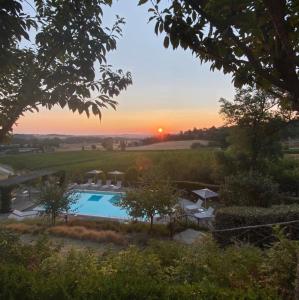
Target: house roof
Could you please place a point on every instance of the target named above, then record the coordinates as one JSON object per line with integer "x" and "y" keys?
{"x": 16, "y": 180}
{"x": 6, "y": 170}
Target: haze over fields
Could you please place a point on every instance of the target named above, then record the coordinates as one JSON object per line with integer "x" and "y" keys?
{"x": 171, "y": 89}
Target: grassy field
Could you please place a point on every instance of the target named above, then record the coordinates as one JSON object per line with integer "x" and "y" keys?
{"x": 170, "y": 145}
{"x": 179, "y": 164}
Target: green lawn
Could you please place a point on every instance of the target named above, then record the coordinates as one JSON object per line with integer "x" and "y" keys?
{"x": 180, "y": 164}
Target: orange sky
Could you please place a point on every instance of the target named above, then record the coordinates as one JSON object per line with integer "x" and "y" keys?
{"x": 119, "y": 121}
{"x": 171, "y": 89}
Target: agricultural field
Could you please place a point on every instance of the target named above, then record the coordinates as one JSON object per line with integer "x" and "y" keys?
{"x": 78, "y": 147}
{"x": 178, "y": 164}
{"x": 170, "y": 145}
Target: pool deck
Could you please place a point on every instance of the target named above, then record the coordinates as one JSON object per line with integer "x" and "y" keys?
{"x": 94, "y": 188}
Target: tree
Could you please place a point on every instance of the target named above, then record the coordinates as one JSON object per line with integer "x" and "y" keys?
{"x": 131, "y": 175}
{"x": 153, "y": 197}
{"x": 255, "y": 41}
{"x": 249, "y": 189}
{"x": 257, "y": 121}
{"x": 107, "y": 144}
{"x": 68, "y": 42}
{"x": 55, "y": 200}
{"x": 122, "y": 145}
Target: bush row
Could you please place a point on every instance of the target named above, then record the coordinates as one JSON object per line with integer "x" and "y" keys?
{"x": 289, "y": 200}
{"x": 194, "y": 185}
{"x": 241, "y": 216}
{"x": 164, "y": 270}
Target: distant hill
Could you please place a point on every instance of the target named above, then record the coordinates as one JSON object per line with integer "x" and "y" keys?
{"x": 66, "y": 136}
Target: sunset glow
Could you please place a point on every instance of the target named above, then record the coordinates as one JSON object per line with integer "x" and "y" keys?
{"x": 116, "y": 122}
{"x": 171, "y": 93}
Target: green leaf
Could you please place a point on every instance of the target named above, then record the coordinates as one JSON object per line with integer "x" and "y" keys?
{"x": 142, "y": 2}
{"x": 166, "y": 42}
{"x": 157, "y": 28}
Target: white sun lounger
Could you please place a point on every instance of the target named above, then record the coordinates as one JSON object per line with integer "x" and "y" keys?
{"x": 107, "y": 185}
{"x": 71, "y": 186}
{"x": 118, "y": 185}
{"x": 194, "y": 206}
{"x": 89, "y": 183}
{"x": 98, "y": 184}
{"x": 20, "y": 215}
{"x": 206, "y": 214}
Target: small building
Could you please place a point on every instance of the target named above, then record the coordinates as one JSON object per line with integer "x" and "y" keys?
{"x": 6, "y": 171}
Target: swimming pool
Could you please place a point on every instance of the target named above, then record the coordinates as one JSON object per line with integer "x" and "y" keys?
{"x": 96, "y": 204}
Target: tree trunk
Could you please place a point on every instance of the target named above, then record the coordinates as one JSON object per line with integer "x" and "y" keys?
{"x": 296, "y": 294}
{"x": 151, "y": 226}
{"x": 171, "y": 226}
{"x": 53, "y": 218}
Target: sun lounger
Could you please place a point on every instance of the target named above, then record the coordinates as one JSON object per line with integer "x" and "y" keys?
{"x": 195, "y": 206}
{"x": 20, "y": 215}
{"x": 71, "y": 186}
{"x": 98, "y": 184}
{"x": 206, "y": 214}
{"x": 118, "y": 185}
{"x": 107, "y": 185}
{"x": 88, "y": 184}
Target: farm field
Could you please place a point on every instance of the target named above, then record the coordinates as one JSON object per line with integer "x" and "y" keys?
{"x": 77, "y": 147}
{"x": 170, "y": 145}
{"x": 179, "y": 164}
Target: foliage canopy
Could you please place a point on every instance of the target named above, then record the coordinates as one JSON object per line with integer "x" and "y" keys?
{"x": 163, "y": 270}
{"x": 55, "y": 200}
{"x": 255, "y": 41}
{"x": 257, "y": 121}
{"x": 54, "y": 56}
{"x": 154, "y": 196}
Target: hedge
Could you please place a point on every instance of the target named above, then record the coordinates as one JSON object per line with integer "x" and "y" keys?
{"x": 5, "y": 200}
{"x": 289, "y": 200}
{"x": 188, "y": 185}
{"x": 239, "y": 216}
{"x": 194, "y": 185}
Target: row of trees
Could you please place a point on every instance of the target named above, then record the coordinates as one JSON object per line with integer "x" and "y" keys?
{"x": 216, "y": 135}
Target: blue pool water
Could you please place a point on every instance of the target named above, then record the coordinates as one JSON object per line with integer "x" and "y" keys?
{"x": 98, "y": 204}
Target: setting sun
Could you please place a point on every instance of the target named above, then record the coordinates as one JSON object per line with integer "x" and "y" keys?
{"x": 160, "y": 129}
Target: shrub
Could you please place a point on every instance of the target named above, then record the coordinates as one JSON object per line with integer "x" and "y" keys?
{"x": 286, "y": 173}
{"x": 20, "y": 227}
{"x": 196, "y": 146}
{"x": 82, "y": 233}
{"x": 232, "y": 217}
{"x": 159, "y": 230}
{"x": 131, "y": 175}
{"x": 194, "y": 185}
{"x": 289, "y": 200}
{"x": 163, "y": 270}
{"x": 249, "y": 189}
